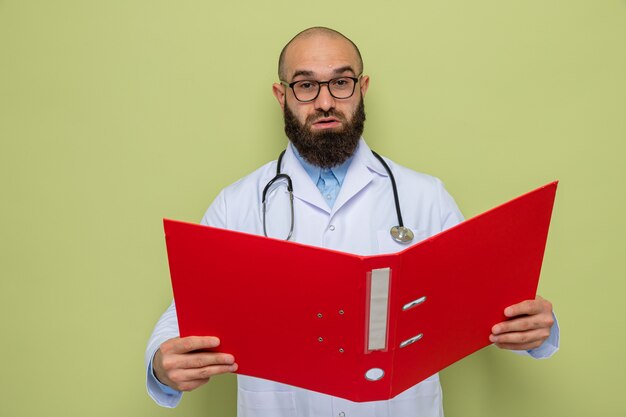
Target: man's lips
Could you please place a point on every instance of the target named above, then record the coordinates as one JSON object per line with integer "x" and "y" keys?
{"x": 326, "y": 123}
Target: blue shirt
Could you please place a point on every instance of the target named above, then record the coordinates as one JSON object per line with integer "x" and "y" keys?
{"x": 328, "y": 180}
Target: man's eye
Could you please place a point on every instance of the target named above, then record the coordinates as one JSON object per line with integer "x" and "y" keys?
{"x": 306, "y": 85}
{"x": 341, "y": 84}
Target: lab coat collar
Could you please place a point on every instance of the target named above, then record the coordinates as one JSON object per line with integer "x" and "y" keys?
{"x": 365, "y": 155}
{"x": 303, "y": 187}
{"x": 362, "y": 170}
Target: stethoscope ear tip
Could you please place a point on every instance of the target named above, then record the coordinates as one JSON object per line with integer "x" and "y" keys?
{"x": 401, "y": 234}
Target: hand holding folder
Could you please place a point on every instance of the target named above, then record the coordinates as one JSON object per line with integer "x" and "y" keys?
{"x": 368, "y": 327}
{"x": 529, "y": 325}
{"x": 185, "y": 364}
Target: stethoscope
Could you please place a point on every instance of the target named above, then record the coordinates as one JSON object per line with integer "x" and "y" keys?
{"x": 399, "y": 233}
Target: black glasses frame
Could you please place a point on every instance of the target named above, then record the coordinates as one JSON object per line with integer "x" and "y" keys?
{"x": 319, "y": 88}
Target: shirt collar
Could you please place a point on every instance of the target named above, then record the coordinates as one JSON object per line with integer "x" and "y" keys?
{"x": 314, "y": 172}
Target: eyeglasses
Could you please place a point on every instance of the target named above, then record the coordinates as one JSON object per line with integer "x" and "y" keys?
{"x": 308, "y": 90}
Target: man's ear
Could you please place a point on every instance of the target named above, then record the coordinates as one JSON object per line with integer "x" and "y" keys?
{"x": 364, "y": 84}
{"x": 279, "y": 92}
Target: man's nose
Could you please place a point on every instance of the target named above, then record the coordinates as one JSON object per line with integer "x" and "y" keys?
{"x": 324, "y": 101}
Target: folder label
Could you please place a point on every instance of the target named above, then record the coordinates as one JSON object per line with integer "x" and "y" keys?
{"x": 378, "y": 309}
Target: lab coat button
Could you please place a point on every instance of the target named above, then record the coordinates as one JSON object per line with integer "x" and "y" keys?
{"x": 342, "y": 414}
{"x": 331, "y": 228}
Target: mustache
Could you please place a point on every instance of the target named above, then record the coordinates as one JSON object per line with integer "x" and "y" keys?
{"x": 320, "y": 114}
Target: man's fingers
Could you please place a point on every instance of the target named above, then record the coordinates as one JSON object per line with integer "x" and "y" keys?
{"x": 183, "y": 363}
{"x": 528, "y": 307}
{"x": 521, "y": 338}
{"x": 529, "y": 327}
{"x": 536, "y": 321}
{"x": 209, "y": 371}
{"x": 525, "y": 307}
{"x": 188, "y": 379}
{"x": 189, "y": 344}
{"x": 203, "y": 359}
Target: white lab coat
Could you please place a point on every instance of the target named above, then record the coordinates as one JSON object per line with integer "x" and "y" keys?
{"x": 359, "y": 222}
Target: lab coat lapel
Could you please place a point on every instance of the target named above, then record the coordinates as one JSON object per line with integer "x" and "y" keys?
{"x": 303, "y": 187}
{"x": 361, "y": 172}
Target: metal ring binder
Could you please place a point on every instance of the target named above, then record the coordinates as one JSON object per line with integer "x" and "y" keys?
{"x": 413, "y": 303}
{"x": 411, "y": 340}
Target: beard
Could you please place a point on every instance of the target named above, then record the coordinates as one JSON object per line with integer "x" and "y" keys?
{"x": 326, "y": 148}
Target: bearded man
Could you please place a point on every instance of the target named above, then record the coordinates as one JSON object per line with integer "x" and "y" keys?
{"x": 343, "y": 200}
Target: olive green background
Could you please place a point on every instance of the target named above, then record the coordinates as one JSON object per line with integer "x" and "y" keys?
{"x": 115, "y": 114}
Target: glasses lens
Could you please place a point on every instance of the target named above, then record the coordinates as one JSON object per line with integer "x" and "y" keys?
{"x": 341, "y": 87}
{"x": 306, "y": 90}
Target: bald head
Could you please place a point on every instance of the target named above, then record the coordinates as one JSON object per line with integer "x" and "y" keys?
{"x": 308, "y": 34}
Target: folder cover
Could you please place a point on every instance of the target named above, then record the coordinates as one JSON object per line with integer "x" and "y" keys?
{"x": 363, "y": 328}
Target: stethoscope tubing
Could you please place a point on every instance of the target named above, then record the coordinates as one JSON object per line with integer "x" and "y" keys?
{"x": 394, "y": 188}
{"x": 289, "y": 189}
{"x": 399, "y": 233}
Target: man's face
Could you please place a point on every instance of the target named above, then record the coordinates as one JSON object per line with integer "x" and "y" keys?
{"x": 325, "y": 123}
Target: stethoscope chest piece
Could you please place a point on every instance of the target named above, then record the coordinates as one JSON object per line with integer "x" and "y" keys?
{"x": 401, "y": 234}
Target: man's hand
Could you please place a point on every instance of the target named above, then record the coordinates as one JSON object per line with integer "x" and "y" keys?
{"x": 528, "y": 328}
{"x": 181, "y": 365}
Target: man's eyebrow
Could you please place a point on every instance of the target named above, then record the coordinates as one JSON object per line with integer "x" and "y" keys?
{"x": 336, "y": 71}
{"x": 305, "y": 73}
{"x": 346, "y": 68}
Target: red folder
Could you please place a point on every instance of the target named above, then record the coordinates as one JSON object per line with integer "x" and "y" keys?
{"x": 363, "y": 328}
